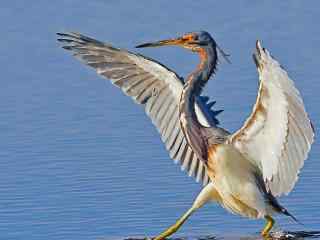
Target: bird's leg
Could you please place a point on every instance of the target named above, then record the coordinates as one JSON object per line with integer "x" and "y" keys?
{"x": 173, "y": 228}
{"x": 208, "y": 193}
{"x": 268, "y": 226}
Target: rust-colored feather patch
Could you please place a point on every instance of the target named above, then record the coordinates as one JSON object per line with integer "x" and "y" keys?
{"x": 212, "y": 161}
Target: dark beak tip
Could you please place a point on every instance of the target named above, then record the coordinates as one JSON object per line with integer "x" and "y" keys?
{"x": 170, "y": 42}
{"x": 143, "y": 45}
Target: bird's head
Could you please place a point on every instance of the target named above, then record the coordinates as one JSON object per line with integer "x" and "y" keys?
{"x": 194, "y": 41}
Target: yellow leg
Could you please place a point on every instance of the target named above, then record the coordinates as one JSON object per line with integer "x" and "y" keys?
{"x": 173, "y": 228}
{"x": 270, "y": 222}
{"x": 208, "y": 193}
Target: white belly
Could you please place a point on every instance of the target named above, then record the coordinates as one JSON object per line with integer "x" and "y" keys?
{"x": 235, "y": 181}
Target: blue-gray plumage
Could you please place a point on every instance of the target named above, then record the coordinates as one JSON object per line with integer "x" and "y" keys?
{"x": 243, "y": 171}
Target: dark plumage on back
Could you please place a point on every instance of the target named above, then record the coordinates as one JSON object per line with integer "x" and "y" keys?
{"x": 150, "y": 84}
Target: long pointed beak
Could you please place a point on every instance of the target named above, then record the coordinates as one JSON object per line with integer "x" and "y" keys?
{"x": 161, "y": 43}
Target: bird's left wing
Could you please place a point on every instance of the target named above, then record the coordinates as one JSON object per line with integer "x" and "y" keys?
{"x": 150, "y": 84}
{"x": 278, "y": 134}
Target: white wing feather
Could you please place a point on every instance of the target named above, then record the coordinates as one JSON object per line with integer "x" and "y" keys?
{"x": 278, "y": 134}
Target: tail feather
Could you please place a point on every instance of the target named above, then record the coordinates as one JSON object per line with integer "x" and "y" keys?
{"x": 285, "y": 212}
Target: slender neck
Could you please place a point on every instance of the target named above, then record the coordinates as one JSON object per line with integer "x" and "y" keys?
{"x": 196, "y": 80}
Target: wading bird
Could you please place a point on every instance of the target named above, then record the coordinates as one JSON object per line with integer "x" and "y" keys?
{"x": 243, "y": 171}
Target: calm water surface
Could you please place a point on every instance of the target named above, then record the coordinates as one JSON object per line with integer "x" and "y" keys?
{"x": 79, "y": 160}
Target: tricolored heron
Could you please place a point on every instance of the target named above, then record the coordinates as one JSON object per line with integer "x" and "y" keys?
{"x": 243, "y": 171}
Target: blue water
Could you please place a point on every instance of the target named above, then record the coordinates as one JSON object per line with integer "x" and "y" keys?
{"x": 79, "y": 160}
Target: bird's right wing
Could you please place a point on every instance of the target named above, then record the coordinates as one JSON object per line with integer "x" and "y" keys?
{"x": 151, "y": 84}
{"x": 278, "y": 134}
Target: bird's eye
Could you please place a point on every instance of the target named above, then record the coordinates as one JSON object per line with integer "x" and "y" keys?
{"x": 195, "y": 38}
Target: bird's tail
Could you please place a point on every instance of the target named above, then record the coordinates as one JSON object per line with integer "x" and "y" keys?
{"x": 285, "y": 212}
{"x": 277, "y": 206}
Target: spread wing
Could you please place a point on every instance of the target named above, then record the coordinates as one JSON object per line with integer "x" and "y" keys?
{"x": 150, "y": 84}
{"x": 278, "y": 134}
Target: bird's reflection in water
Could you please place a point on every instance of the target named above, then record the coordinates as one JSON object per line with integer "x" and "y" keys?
{"x": 277, "y": 235}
